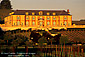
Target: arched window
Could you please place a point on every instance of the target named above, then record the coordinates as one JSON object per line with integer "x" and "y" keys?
{"x": 27, "y": 23}
{"x": 40, "y": 18}
{"x": 40, "y": 13}
{"x": 18, "y": 18}
{"x": 18, "y": 23}
{"x": 27, "y": 18}
{"x": 33, "y": 23}
{"x": 53, "y": 13}
{"x": 65, "y": 22}
{"x": 54, "y": 23}
{"x": 48, "y": 23}
{"x": 48, "y": 18}
{"x": 33, "y": 18}
{"x": 48, "y": 13}
{"x": 41, "y": 23}
{"x": 54, "y": 18}
{"x": 65, "y": 18}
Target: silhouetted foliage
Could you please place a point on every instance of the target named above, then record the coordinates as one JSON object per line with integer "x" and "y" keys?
{"x": 5, "y": 4}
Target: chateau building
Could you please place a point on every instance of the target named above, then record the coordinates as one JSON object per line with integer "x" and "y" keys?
{"x": 39, "y": 18}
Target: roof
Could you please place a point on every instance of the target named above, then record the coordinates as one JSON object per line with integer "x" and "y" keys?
{"x": 58, "y": 12}
{"x": 78, "y": 22}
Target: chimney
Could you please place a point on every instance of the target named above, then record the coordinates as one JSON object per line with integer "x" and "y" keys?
{"x": 68, "y": 10}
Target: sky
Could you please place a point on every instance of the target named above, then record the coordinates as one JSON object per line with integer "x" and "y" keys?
{"x": 76, "y": 7}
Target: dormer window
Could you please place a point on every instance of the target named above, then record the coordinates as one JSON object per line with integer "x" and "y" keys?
{"x": 33, "y": 13}
{"x": 53, "y": 13}
{"x": 48, "y": 13}
{"x": 40, "y": 13}
{"x": 26, "y": 13}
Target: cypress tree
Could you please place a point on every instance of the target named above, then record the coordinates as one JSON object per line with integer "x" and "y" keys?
{"x": 5, "y": 4}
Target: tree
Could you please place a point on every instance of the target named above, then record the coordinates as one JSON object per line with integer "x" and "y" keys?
{"x": 42, "y": 40}
{"x": 63, "y": 39}
{"x": 5, "y": 4}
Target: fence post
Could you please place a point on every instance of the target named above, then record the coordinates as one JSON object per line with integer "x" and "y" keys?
{"x": 82, "y": 52}
{"x": 56, "y": 50}
{"x": 78, "y": 50}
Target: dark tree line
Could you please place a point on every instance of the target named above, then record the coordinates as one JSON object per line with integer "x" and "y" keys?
{"x": 5, "y": 4}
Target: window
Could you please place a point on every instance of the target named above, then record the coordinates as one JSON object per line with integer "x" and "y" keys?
{"x": 27, "y": 18}
{"x": 68, "y": 24}
{"x": 40, "y": 23}
{"x": 14, "y": 23}
{"x": 65, "y": 23}
{"x": 33, "y": 18}
{"x": 18, "y": 18}
{"x": 0, "y": 18}
{"x": 33, "y": 13}
{"x": 61, "y": 24}
{"x": 54, "y": 23}
{"x": 26, "y": 13}
{"x": 48, "y": 13}
{"x": 48, "y": 18}
{"x": 40, "y": 18}
{"x": 53, "y": 13}
{"x": 48, "y": 23}
{"x": 40, "y": 13}
{"x": 27, "y": 23}
{"x": 33, "y": 23}
{"x": 18, "y": 23}
{"x": 65, "y": 18}
{"x": 54, "y": 18}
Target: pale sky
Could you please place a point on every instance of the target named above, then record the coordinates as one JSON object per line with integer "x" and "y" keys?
{"x": 76, "y": 7}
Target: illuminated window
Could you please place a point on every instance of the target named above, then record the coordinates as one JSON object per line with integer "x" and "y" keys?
{"x": 27, "y": 23}
{"x": 40, "y": 18}
{"x": 33, "y": 23}
{"x": 54, "y": 18}
{"x": 53, "y": 13}
{"x": 68, "y": 24}
{"x": 65, "y": 23}
{"x": 33, "y": 13}
{"x": 48, "y": 13}
{"x": 26, "y": 13}
{"x": 48, "y": 18}
{"x": 33, "y": 18}
{"x": 48, "y": 23}
{"x": 54, "y": 23}
{"x": 27, "y": 18}
{"x": 18, "y": 23}
{"x": 40, "y": 13}
{"x": 14, "y": 23}
{"x": 65, "y": 18}
{"x": 61, "y": 24}
{"x": 41, "y": 23}
{"x": 18, "y": 18}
